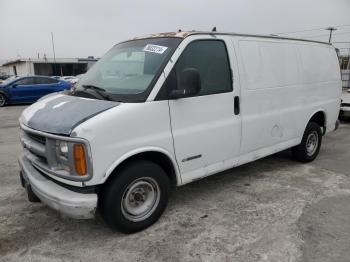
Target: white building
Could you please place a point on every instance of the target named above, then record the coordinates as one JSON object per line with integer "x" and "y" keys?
{"x": 48, "y": 66}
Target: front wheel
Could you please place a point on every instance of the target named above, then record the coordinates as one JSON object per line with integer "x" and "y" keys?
{"x": 136, "y": 197}
{"x": 310, "y": 145}
{"x": 2, "y": 100}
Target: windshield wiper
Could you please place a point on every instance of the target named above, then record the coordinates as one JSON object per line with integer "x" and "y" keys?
{"x": 99, "y": 90}
{"x": 94, "y": 87}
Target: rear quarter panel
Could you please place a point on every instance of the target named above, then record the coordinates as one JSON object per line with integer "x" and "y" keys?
{"x": 284, "y": 83}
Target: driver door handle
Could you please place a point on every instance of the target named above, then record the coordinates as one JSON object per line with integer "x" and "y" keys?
{"x": 236, "y": 105}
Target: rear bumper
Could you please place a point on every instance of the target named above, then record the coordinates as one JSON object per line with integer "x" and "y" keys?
{"x": 65, "y": 201}
{"x": 345, "y": 109}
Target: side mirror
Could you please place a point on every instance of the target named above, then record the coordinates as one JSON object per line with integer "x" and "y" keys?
{"x": 14, "y": 85}
{"x": 189, "y": 84}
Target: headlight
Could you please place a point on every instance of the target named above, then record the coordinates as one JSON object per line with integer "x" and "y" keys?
{"x": 71, "y": 157}
{"x": 62, "y": 155}
{"x": 63, "y": 146}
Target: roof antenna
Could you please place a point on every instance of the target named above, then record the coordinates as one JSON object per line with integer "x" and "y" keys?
{"x": 179, "y": 31}
{"x": 214, "y": 29}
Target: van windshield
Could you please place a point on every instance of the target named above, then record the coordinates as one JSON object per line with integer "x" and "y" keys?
{"x": 128, "y": 71}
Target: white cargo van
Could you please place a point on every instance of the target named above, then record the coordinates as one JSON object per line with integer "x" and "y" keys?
{"x": 172, "y": 108}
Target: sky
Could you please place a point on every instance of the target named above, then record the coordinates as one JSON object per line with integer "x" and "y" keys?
{"x": 84, "y": 28}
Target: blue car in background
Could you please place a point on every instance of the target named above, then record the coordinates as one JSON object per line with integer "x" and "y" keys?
{"x": 29, "y": 89}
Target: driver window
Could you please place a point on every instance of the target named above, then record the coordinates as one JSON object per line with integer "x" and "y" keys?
{"x": 210, "y": 58}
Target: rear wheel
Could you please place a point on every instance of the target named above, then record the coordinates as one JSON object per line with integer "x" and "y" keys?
{"x": 2, "y": 100}
{"x": 136, "y": 197}
{"x": 310, "y": 145}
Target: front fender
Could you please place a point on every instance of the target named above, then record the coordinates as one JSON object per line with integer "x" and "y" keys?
{"x": 134, "y": 152}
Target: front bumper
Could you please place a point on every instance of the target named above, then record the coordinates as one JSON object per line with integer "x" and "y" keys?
{"x": 65, "y": 201}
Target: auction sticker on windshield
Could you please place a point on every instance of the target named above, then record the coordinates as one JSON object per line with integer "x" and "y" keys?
{"x": 155, "y": 49}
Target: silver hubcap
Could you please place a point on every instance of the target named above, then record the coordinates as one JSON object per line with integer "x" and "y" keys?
{"x": 312, "y": 143}
{"x": 140, "y": 199}
{"x": 2, "y": 100}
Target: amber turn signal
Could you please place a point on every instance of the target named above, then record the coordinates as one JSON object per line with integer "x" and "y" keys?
{"x": 79, "y": 159}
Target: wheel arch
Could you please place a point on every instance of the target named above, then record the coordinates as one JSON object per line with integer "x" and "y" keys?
{"x": 4, "y": 93}
{"x": 6, "y": 96}
{"x": 154, "y": 154}
{"x": 320, "y": 117}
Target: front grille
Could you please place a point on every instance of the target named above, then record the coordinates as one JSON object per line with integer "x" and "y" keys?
{"x": 42, "y": 159}
{"x": 37, "y": 138}
{"x": 35, "y": 144}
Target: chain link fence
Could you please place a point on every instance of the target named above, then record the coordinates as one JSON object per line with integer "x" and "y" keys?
{"x": 344, "y": 61}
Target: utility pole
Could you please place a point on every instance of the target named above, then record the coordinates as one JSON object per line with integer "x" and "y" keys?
{"x": 54, "y": 55}
{"x": 331, "y": 29}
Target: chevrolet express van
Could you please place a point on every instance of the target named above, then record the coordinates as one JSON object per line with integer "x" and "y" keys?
{"x": 168, "y": 109}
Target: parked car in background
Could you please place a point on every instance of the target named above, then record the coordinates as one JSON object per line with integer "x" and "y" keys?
{"x": 3, "y": 78}
{"x": 344, "y": 112}
{"x": 71, "y": 79}
{"x": 28, "y": 89}
{"x": 10, "y": 78}
{"x": 56, "y": 77}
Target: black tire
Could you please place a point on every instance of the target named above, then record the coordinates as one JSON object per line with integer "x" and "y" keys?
{"x": 3, "y": 100}
{"x": 117, "y": 196}
{"x": 304, "y": 152}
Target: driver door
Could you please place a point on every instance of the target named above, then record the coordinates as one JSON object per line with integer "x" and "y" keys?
{"x": 205, "y": 127}
{"x": 23, "y": 90}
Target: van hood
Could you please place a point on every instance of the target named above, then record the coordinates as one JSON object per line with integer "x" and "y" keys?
{"x": 60, "y": 114}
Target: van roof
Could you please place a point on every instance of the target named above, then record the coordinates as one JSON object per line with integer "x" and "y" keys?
{"x": 184, "y": 34}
